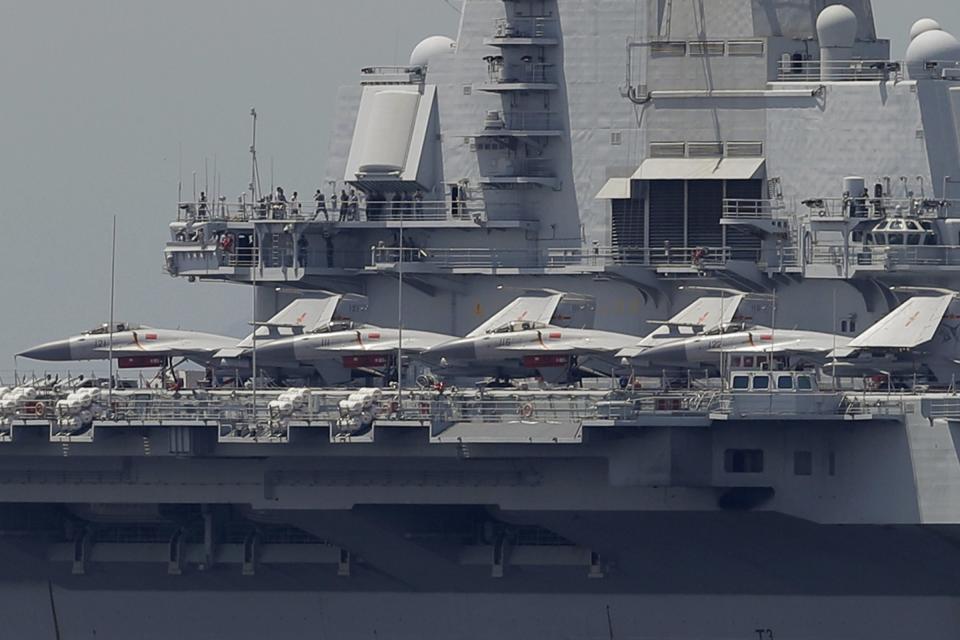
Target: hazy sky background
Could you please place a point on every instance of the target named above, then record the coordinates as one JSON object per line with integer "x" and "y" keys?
{"x": 101, "y": 99}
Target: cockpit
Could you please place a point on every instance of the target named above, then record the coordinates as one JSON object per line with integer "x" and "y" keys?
{"x": 725, "y": 329}
{"x": 901, "y": 231}
{"x": 118, "y": 327}
{"x": 519, "y": 325}
{"x": 338, "y": 325}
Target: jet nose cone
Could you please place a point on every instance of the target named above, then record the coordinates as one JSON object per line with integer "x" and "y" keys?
{"x": 58, "y": 350}
{"x": 278, "y": 351}
{"x": 451, "y": 353}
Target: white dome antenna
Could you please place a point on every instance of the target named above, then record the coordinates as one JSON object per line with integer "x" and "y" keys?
{"x": 429, "y": 48}
{"x": 923, "y": 25}
{"x": 837, "y": 31}
{"x": 929, "y": 51}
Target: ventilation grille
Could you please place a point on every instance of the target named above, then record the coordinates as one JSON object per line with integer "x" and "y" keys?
{"x": 667, "y": 149}
{"x": 705, "y": 149}
{"x": 745, "y": 48}
{"x": 704, "y": 48}
{"x": 616, "y": 138}
{"x": 668, "y": 48}
{"x": 744, "y": 149}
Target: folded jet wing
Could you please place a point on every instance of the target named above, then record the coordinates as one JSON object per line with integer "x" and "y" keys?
{"x": 571, "y": 342}
{"x": 355, "y": 342}
{"x": 788, "y": 342}
{"x": 910, "y": 325}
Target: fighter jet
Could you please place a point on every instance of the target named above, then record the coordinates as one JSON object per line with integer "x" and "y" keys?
{"x": 712, "y": 328}
{"x": 134, "y": 346}
{"x": 921, "y": 336}
{"x": 705, "y": 315}
{"x": 754, "y": 344}
{"x": 303, "y": 316}
{"x": 525, "y": 339}
{"x": 143, "y": 347}
{"x": 347, "y": 346}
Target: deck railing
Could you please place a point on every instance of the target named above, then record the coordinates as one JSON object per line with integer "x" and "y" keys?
{"x": 639, "y": 256}
{"x": 456, "y": 257}
{"x": 739, "y": 209}
{"x": 887, "y": 257}
{"x": 486, "y": 257}
{"x": 838, "y": 70}
{"x": 408, "y": 208}
{"x": 878, "y": 208}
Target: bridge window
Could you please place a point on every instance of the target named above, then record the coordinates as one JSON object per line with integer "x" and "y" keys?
{"x": 743, "y": 461}
{"x": 761, "y": 382}
{"x": 741, "y": 383}
{"x": 804, "y": 383}
{"x": 802, "y": 463}
{"x": 785, "y": 382}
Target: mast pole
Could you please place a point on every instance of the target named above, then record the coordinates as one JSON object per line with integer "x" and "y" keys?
{"x": 113, "y": 280}
{"x": 254, "y": 183}
{"x": 400, "y": 322}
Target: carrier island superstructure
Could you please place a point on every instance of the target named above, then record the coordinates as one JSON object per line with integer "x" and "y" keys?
{"x": 640, "y": 152}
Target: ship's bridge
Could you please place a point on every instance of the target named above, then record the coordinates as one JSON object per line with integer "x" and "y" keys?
{"x": 855, "y": 236}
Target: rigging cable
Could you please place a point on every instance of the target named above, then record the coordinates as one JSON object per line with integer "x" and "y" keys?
{"x": 450, "y": 4}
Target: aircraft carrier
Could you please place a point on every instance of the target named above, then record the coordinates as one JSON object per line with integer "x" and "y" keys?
{"x": 633, "y": 158}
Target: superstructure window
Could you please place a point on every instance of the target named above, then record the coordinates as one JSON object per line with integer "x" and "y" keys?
{"x": 741, "y": 383}
{"x": 761, "y": 382}
{"x": 668, "y": 48}
{"x": 705, "y": 48}
{"x": 745, "y": 47}
{"x": 848, "y": 326}
{"x": 743, "y": 461}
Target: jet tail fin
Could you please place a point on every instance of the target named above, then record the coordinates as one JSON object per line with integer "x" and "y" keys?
{"x": 910, "y": 325}
{"x": 536, "y": 309}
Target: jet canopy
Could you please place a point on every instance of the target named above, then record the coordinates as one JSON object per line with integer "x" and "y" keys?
{"x": 104, "y": 328}
{"x": 734, "y": 327}
{"x": 519, "y": 325}
{"x": 337, "y": 325}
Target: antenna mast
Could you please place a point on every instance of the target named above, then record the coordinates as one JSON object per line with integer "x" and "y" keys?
{"x": 254, "y": 171}
{"x": 254, "y": 191}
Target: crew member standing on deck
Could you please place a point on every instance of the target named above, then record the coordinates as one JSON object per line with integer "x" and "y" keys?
{"x": 344, "y": 205}
{"x": 321, "y": 206}
{"x": 354, "y": 205}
